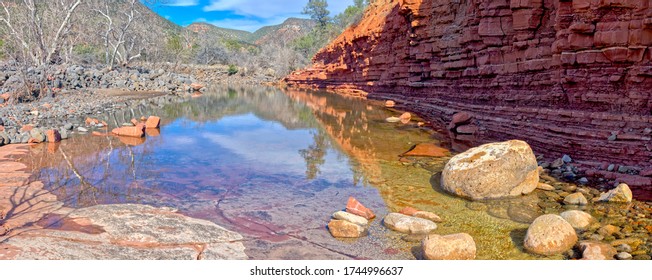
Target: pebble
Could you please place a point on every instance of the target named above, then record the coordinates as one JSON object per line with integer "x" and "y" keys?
{"x": 82, "y": 129}
{"x": 624, "y": 256}
{"x": 583, "y": 181}
{"x": 611, "y": 167}
{"x": 566, "y": 159}
{"x": 545, "y": 187}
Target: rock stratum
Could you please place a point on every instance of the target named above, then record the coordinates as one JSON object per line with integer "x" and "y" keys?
{"x": 569, "y": 77}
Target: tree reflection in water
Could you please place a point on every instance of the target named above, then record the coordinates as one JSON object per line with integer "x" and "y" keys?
{"x": 315, "y": 153}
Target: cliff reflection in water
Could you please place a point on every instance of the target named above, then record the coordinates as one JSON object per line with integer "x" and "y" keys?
{"x": 259, "y": 129}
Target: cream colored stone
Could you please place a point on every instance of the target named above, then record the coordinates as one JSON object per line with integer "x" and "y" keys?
{"x": 494, "y": 170}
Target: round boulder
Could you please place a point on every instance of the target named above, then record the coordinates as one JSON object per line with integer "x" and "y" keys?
{"x": 449, "y": 247}
{"x": 550, "y": 235}
{"x": 494, "y": 170}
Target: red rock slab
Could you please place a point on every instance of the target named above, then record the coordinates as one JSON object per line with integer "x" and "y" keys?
{"x": 353, "y": 206}
{"x": 53, "y": 136}
{"x": 5, "y": 96}
{"x": 134, "y": 121}
{"x": 409, "y": 211}
{"x": 153, "y": 122}
{"x": 467, "y": 129}
{"x": 390, "y": 104}
{"x": 427, "y": 150}
{"x": 137, "y": 131}
{"x": 461, "y": 118}
{"x": 644, "y": 173}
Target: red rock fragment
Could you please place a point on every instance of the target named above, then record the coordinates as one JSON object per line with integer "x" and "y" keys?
{"x": 53, "y": 136}
{"x": 427, "y": 150}
{"x": 409, "y": 211}
{"x": 353, "y": 206}
{"x": 153, "y": 122}
{"x": 130, "y": 131}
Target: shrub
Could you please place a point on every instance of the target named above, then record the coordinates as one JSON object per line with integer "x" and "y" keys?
{"x": 232, "y": 70}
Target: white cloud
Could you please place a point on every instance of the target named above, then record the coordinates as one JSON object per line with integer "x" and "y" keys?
{"x": 181, "y": 3}
{"x": 270, "y": 8}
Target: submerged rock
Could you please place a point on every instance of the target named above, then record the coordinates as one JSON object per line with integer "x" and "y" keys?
{"x": 427, "y": 150}
{"x": 345, "y": 229}
{"x": 392, "y": 120}
{"x": 407, "y": 224}
{"x": 550, "y": 235}
{"x": 493, "y": 170}
{"x": 576, "y": 199}
{"x": 459, "y": 246}
{"x": 596, "y": 251}
{"x": 621, "y": 194}
{"x": 428, "y": 216}
{"x": 578, "y": 219}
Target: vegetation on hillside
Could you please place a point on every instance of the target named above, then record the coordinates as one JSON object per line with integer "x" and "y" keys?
{"x": 109, "y": 34}
{"x": 328, "y": 28}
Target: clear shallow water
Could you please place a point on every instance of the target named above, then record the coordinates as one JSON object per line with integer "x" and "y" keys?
{"x": 272, "y": 166}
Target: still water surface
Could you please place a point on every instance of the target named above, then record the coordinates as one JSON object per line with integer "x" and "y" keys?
{"x": 274, "y": 166}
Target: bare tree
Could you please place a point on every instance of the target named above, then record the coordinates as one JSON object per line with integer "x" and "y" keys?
{"x": 37, "y": 30}
{"x": 120, "y": 44}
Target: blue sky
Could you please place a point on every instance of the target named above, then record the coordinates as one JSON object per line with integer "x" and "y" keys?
{"x": 246, "y": 15}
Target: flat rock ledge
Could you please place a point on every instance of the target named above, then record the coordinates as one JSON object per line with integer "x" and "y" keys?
{"x": 124, "y": 231}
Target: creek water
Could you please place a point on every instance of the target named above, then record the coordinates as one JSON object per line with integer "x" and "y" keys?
{"x": 273, "y": 166}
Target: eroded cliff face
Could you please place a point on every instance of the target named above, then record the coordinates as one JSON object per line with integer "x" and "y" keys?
{"x": 563, "y": 75}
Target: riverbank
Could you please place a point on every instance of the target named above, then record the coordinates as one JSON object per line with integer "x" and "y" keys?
{"x": 358, "y": 129}
{"x": 74, "y": 93}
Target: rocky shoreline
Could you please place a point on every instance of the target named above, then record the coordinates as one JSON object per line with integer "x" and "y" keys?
{"x": 75, "y": 93}
{"x": 564, "y": 219}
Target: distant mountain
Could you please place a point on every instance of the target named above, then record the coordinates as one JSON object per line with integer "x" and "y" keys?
{"x": 206, "y": 29}
{"x": 287, "y": 31}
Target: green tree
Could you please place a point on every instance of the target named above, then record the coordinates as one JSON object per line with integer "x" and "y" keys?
{"x": 318, "y": 11}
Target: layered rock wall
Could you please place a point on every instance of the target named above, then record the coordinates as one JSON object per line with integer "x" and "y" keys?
{"x": 563, "y": 75}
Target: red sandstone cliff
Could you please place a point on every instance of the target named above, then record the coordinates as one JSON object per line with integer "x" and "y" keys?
{"x": 563, "y": 75}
